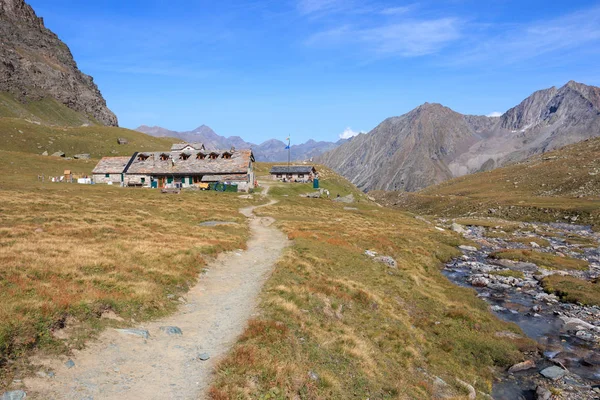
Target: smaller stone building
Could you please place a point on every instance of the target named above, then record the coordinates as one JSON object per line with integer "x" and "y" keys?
{"x": 111, "y": 170}
{"x": 294, "y": 173}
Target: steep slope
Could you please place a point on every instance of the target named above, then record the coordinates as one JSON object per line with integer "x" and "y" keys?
{"x": 432, "y": 143}
{"x": 35, "y": 64}
{"x": 562, "y": 185}
{"x": 407, "y": 152}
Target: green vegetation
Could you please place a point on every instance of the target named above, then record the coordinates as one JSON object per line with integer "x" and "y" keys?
{"x": 69, "y": 253}
{"x": 508, "y": 273}
{"x": 544, "y": 260}
{"x": 333, "y": 323}
{"x": 47, "y": 111}
{"x": 572, "y": 289}
{"x": 545, "y": 188}
{"x": 528, "y": 240}
{"x": 99, "y": 141}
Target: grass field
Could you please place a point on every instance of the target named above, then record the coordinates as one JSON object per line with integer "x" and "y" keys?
{"x": 546, "y": 188}
{"x": 47, "y": 111}
{"x": 573, "y": 290}
{"x": 335, "y": 324}
{"x": 544, "y": 260}
{"x": 69, "y": 253}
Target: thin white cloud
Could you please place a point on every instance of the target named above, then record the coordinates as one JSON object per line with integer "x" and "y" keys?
{"x": 523, "y": 42}
{"x": 348, "y": 133}
{"x": 495, "y": 114}
{"x": 397, "y": 10}
{"x": 409, "y": 38}
{"x": 318, "y": 6}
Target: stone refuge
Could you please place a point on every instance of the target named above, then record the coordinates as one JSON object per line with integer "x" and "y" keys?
{"x": 294, "y": 173}
{"x": 185, "y": 165}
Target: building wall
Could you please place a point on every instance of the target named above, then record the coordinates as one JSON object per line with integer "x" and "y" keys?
{"x": 102, "y": 178}
{"x": 294, "y": 177}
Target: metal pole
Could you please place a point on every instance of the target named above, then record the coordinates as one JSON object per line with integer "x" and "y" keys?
{"x": 289, "y": 153}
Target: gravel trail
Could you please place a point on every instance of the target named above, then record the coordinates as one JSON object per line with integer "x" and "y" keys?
{"x": 163, "y": 366}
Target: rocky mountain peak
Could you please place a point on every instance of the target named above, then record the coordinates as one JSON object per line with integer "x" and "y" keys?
{"x": 36, "y": 64}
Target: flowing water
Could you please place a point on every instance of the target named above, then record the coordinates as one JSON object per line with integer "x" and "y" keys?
{"x": 568, "y": 334}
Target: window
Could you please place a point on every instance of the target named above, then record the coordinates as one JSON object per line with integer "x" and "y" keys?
{"x": 164, "y": 157}
{"x": 107, "y": 175}
{"x": 213, "y": 156}
{"x": 227, "y": 156}
{"x": 279, "y": 175}
{"x": 143, "y": 180}
{"x": 300, "y": 175}
{"x": 201, "y": 156}
{"x": 184, "y": 156}
{"x": 143, "y": 157}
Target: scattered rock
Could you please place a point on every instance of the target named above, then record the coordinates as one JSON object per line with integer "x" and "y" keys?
{"x": 122, "y": 141}
{"x": 467, "y": 248}
{"x": 534, "y": 245}
{"x": 171, "y": 330}
{"x": 83, "y": 156}
{"x": 387, "y": 260}
{"x": 554, "y": 373}
{"x": 458, "y": 228}
{"x": 350, "y": 208}
{"x": 58, "y": 154}
{"x": 39, "y": 230}
{"x": 472, "y": 393}
{"x": 541, "y": 393}
{"x": 14, "y": 395}
{"x": 110, "y": 314}
{"x": 522, "y": 366}
{"x": 480, "y": 281}
{"x": 498, "y": 308}
{"x": 313, "y": 375}
{"x": 45, "y": 153}
{"x": 135, "y": 332}
{"x": 312, "y": 195}
{"x": 203, "y": 357}
{"x": 345, "y": 199}
{"x": 440, "y": 229}
{"x": 217, "y": 223}
{"x": 370, "y": 253}
{"x": 70, "y": 364}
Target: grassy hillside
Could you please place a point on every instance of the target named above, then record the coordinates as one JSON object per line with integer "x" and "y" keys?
{"x": 22, "y": 136}
{"x": 553, "y": 186}
{"x": 46, "y": 111}
{"x": 335, "y": 324}
{"x": 70, "y": 253}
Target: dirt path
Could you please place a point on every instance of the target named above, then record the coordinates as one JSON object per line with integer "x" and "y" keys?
{"x": 121, "y": 366}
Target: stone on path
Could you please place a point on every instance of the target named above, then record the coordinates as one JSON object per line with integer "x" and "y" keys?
{"x": 14, "y": 395}
{"x": 203, "y": 357}
{"x": 135, "y": 332}
{"x": 541, "y": 393}
{"x": 70, "y": 364}
{"x": 553, "y": 372}
{"x": 171, "y": 330}
{"x": 346, "y": 199}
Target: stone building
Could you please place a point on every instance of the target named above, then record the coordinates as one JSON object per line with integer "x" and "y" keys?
{"x": 110, "y": 170}
{"x": 294, "y": 173}
{"x": 186, "y": 165}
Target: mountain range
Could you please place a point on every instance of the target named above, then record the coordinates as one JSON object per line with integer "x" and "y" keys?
{"x": 433, "y": 143}
{"x": 35, "y": 64}
{"x": 270, "y": 151}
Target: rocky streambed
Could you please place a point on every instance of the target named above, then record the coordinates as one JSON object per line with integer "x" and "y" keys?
{"x": 568, "y": 363}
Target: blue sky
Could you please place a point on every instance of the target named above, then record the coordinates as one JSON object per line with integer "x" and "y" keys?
{"x": 265, "y": 69}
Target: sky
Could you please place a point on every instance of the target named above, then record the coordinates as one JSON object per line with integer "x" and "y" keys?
{"x": 321, "y": 69}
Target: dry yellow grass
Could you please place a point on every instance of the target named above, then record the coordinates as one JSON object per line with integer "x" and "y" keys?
{"x": 335, "y": 324}
{"x": 69, "y": 250}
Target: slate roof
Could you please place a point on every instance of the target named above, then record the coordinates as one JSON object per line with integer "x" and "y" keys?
{"x": 153, "y": 165}
{"x": 292, "y": 169}
{"x": 181, "y": 146}
{"x": 111, "y": 165}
